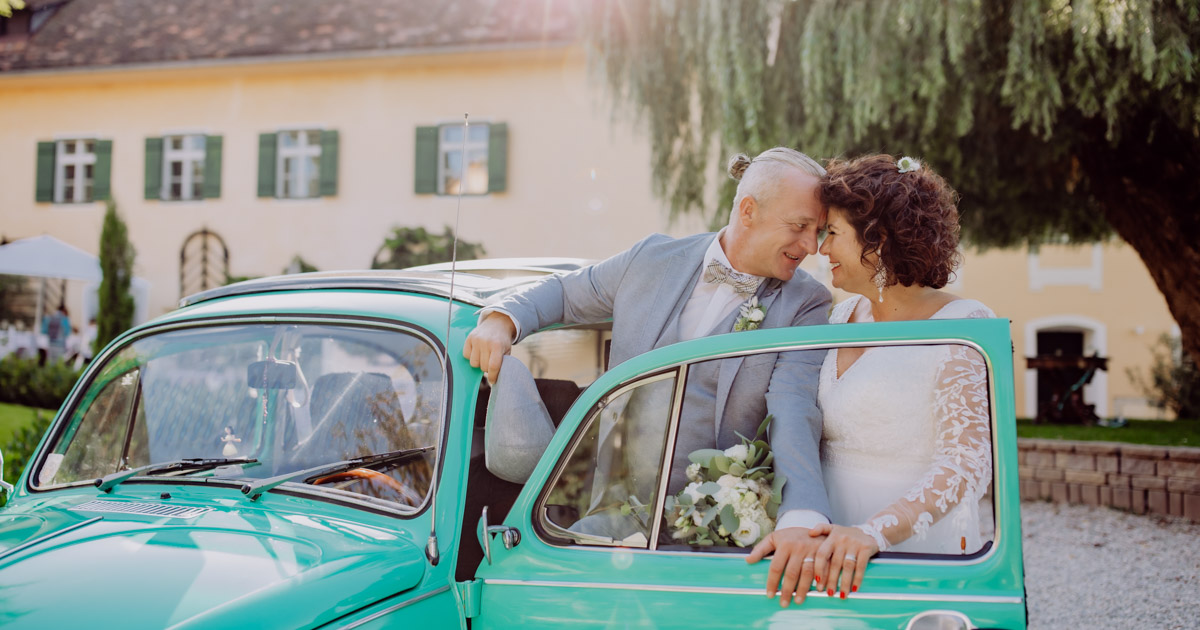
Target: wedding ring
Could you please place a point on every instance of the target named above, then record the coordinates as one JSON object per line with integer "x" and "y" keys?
{"x": 807, "y": 560}
{"x": 851, "y": 558}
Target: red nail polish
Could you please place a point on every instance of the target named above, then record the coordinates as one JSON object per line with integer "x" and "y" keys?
{"x": 843, "y": 596}
{"x": 818, "y": 579}
{"x": 830, "y": 593}
{"x": 853, "y": 589}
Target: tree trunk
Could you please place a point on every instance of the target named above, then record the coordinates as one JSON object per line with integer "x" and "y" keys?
{"x": 1171, "y": 255}
{"x": 1150, "y": 200}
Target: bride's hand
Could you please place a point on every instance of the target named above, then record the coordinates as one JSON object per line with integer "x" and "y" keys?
{"x": 844, "y": 555}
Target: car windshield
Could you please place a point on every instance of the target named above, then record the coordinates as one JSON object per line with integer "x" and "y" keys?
{"x": 291, "y": 396}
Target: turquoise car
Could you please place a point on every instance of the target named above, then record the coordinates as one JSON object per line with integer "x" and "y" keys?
{"x": 308, "y": 452}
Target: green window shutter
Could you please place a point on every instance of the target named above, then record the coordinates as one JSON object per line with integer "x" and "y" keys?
{"x": 497, "y": 157}
{"x": 102, "y": 174}
{"x": 267, "y": 146}
{"x": 329, "y": 163}
{"x": 154, "y": 168}
{"x": 426, "y": 165}
{"x": 212, "y": 167}
{"x": 44, "y": 192}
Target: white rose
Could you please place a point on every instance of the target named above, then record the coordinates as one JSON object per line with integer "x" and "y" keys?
{"x": 747, "y": 533}
{"x": 728, "y": 481}
{"x": 738, "y": 453}
{"x": 756, "y": 315}
{"x": 693, "y": 491}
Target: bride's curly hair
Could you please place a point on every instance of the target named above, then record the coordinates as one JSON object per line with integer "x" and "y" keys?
{"x": 910, "y": 219}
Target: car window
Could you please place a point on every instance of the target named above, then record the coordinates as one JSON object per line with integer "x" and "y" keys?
{"x": 905, "y": 448}
{"x": 605, "y": 488}
{"x": 292, "y": 395}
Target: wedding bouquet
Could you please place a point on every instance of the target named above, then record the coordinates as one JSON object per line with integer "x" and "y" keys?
{"x": 733, "y": 496}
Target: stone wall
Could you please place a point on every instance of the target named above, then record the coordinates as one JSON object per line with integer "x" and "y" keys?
{"x": 1134, "y": 477}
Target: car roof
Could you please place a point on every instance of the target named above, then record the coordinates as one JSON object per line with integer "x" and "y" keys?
{"x": 475, "y": 282}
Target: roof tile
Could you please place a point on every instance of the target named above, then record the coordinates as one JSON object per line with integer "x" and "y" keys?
{"x": 89, "y": 33}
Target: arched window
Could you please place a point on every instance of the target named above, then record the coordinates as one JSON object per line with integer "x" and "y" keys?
{"x": 203, "y": 262}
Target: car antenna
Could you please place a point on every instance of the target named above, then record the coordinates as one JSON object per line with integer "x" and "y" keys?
{"x": 431, "y": 547}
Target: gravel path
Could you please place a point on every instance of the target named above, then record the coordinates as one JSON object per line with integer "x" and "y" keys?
{"x": 1094, "y": 567}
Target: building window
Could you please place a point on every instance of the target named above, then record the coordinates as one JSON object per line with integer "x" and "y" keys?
{"x": 451, "y": 173}
{"x": 447, "y": 162}
{"x": 75, "y": 171}
{"x": 298, "y": 168}
{"x": 183, "y": 168}
{"x": 298, "y": 164}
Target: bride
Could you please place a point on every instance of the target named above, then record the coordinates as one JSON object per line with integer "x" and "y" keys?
{"x": 906, "y": 448}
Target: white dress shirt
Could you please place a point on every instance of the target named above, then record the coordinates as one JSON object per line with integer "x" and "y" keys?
{"x": 710, "y": 303}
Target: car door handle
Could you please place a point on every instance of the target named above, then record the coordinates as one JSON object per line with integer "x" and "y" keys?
{"x": 510, "y": 536}
{"x": 940, "y": 620}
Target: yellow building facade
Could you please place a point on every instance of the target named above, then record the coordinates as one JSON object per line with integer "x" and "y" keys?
{"x": 577, "y": 183}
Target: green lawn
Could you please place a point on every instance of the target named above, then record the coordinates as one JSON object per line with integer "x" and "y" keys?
{"x": 13, "y": 417}
{"x": 1157, "y": 432}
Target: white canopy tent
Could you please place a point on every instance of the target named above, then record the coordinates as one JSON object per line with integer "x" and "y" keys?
{"x": 47, "y": 257}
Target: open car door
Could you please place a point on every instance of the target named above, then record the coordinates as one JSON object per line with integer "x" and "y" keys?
{"x": 586, "y": 542}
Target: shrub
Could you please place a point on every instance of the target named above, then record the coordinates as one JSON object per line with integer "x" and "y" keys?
{"x": 1174, "y": 381}
{"x": 24, "y": 382}
{"x": 21, "y": 445}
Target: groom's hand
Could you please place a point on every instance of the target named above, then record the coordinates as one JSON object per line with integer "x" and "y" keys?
{"x": 792, "y": 546}
{"x": 489, "y": 342}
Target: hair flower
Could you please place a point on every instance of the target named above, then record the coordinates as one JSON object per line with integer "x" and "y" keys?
{"x": 907, "y": 164}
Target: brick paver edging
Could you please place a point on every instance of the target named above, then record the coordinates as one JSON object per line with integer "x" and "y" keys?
{"x": 1133, "y": 477}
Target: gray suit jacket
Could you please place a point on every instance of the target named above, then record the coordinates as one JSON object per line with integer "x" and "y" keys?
{"x": 643, "y": 288}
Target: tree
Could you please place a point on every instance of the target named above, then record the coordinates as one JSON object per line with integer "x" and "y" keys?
{"x": 409, "y": 247}
{"x": 7, "y": 7}
{"x": 116, "y": 266}
{"x": 1056, "y": 120}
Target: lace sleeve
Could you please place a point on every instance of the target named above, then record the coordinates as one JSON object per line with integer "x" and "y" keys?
{"x": 962, "y": 459}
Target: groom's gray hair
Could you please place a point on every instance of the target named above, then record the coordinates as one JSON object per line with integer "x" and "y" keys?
{"x": 757, "y": 177}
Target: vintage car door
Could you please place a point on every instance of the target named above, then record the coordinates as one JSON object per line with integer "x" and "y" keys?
{"x": 585, "y": 544}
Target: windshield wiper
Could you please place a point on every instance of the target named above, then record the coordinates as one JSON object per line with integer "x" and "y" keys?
{"x": 194, "y": 464}
{"x": 252, "y": 490}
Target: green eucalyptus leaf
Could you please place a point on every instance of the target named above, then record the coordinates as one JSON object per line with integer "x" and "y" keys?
{"x": 704, "y": 456}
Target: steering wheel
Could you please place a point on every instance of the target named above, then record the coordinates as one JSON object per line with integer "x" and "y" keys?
{"x": 373, "y": 476}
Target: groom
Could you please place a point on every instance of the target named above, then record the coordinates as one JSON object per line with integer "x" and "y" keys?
{"x": 665, "y": 290}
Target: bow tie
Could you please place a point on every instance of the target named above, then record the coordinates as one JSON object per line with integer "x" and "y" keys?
{"x": 744, "y": 284}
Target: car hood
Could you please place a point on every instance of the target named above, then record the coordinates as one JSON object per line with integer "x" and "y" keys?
{"x": 137, "y": 563}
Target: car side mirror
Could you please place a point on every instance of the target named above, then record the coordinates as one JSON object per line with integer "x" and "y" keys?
{"x": 5, "y": 487}
{"x": 271, "y": 374}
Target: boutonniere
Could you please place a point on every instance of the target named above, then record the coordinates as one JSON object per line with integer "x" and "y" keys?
{"x": 752, "y": 314}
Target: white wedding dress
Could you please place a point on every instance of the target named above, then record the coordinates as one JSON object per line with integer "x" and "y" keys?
{"x": 906, "y": 451}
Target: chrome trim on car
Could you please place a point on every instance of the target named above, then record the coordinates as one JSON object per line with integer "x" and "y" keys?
{"x": 439, "y": 352}
{"x": 813, "y": 346}
{"x": 141, "y": 509}
{"x": 941, "y": 613}
{"x": 476, "y": 292}
{"x": 756, "y": 592}
{"x": 391, "y": 609}
{"x": 541, "y": 522}
{"x": 825, "y": 345}
{"x": 664, "y": 471}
